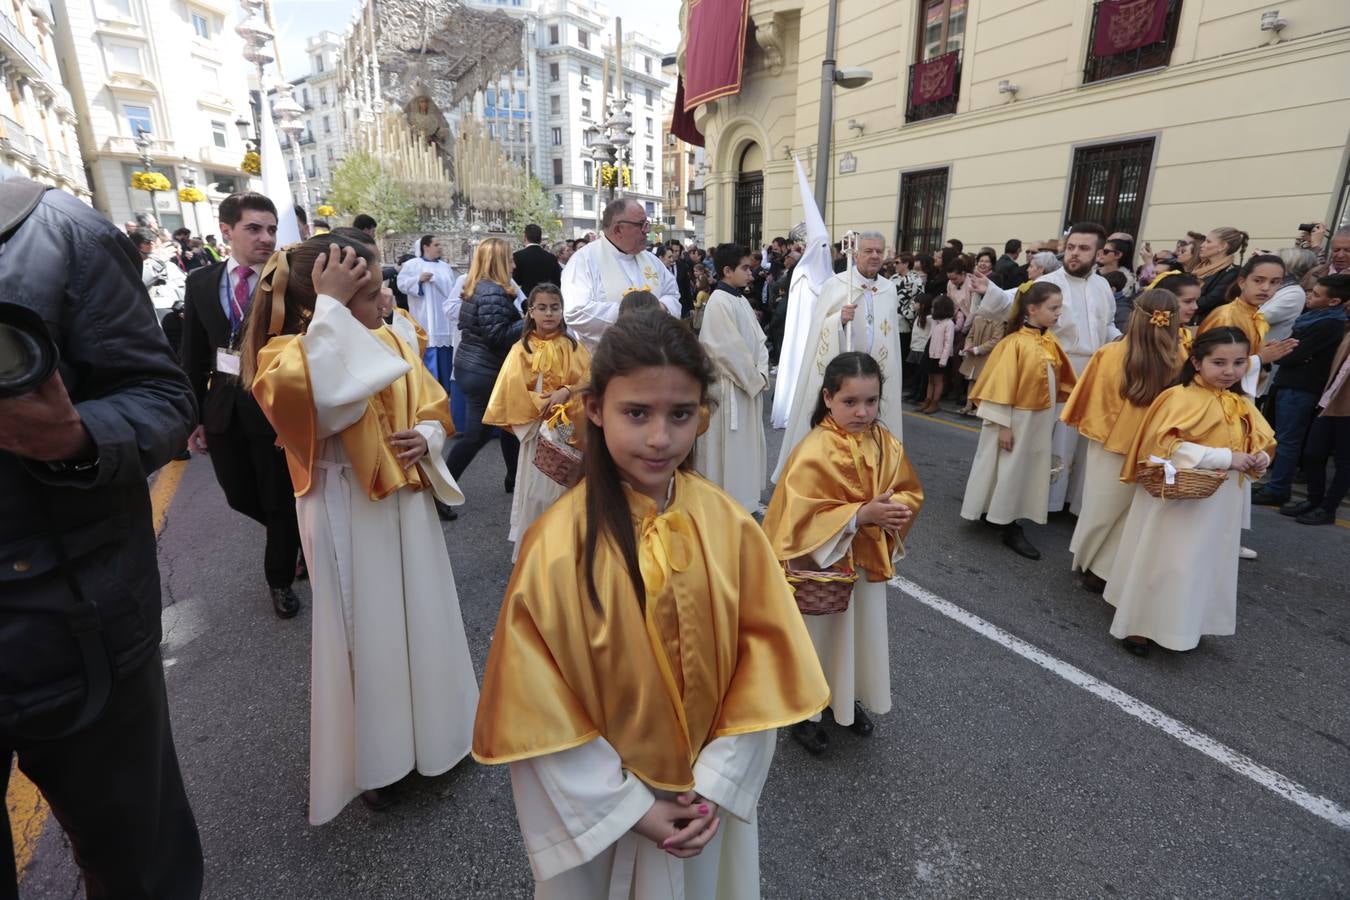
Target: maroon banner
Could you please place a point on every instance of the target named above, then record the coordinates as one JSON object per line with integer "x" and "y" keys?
{"x": 682, "y": 120}
{"x": 1124, "y": 25}
{"x": 714, "y": 52}
{"x": 933, "y": 80}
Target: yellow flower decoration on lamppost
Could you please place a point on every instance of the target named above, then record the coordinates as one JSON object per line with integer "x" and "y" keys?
{"x": 252, "y": 163}
{"x": 149, "y": 181}
{"x": 325, "y": 211}
{"x": 191, "y": 195}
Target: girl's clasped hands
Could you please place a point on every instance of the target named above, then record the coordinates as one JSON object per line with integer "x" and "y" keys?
{"x": 681, "y": 826}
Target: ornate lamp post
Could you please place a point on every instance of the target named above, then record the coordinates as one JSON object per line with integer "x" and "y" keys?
{"x": 187, "y": 179}
{"x": 143, "y": 145}
{"x": 288, "y": 114}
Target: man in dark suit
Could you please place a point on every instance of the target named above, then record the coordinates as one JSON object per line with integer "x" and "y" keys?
{"x": 1006, "y": 269}
{"x": 233, "y": 430}
{"x": 533, "y": 264}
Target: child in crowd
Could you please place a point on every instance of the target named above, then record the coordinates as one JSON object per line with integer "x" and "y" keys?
{"x": 940, "y": 343}
{"x": 1112, "y": 395}
{"x": 542, "y": 373}
{"x": 1257, "y": 281}
{"x": 1203, "y": 422}
{"x": 846, "y": 499}
{"x": 1330, "y": 431}
{"x": 643, "y": 301}
{"x": 1124, "y": 307}
{"x": 646, "y": 651}
{"x": 986, "y": 330}
{"x": 732, "y": 454}
{"x": 363, "y": 422}
{"x": 918, "y": 347}
{"x": 1026, "y": 376}
{"x": 1186, "y": 288}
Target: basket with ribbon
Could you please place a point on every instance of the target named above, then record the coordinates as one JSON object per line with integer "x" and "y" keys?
{"x": 822, "y": 592}
{"x": 1166, "y": 482}
{"x": 554, "y": 454}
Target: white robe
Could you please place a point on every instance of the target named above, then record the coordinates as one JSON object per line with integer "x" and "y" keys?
{"x": 1106, "y": 503}
{"x": 597, "y": 277}
{"x": 392, "y": 683}
{"x": 427, "y": 301}
{"x": 1087, "y": 324}
{"x": 732, "y": 453}
{"x": 535, "y": 491}
{"x": 827, "y": 339}
{"x": 1006, "y": 486}
{"x": 577, "y": 809}
{"x": 1157, "y": 588}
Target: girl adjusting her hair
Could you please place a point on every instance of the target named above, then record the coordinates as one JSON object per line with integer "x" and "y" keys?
{"x": 845, "y": 502}
{"x": 1026, "y": 375}
{"x": 539, "y": 380}
{"x": 1109, "y": 401}
{"x": 646, "y": 651}
{"x": 1203, "y": 422}
{"x": 362, "y": 423}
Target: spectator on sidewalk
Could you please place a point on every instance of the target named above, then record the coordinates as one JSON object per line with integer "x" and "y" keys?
{"x": 1005, "y": 269}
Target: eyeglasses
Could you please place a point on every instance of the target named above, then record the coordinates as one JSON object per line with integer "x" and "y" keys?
{"x": 644, "y": 224}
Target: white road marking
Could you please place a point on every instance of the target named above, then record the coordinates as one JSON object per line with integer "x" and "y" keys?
{"x": 1264, "y": 776}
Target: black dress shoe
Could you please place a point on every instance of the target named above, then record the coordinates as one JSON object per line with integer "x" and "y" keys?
{"x": 510, "y": 485}
{"x": 862, "y": 726}
{"x": 811, "y": 736}
{"x": 446, "y": 513}
{"x": 1263, "y": 497}
{"x": 1138, "y": 648}
{"x": 1093, "y": 582}
{"x": 1317, "y": 516}
{"x": 285, "y": 603}
{"x": 1296, "y": 508}
{"x": 1016, "y": 540}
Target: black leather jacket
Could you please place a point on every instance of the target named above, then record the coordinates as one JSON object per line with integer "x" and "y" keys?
{"x": 488, "y": 325}
{"x": 77, "y": 550}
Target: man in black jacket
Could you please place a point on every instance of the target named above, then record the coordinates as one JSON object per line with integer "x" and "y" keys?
{"x": 533, "y": 264}
{"x": 242, "y": 445}
{"x": 1006, "y": 268}
{"x": 82, "y": 699}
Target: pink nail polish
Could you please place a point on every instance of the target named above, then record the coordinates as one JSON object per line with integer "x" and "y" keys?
{"x": 703, "y": 809}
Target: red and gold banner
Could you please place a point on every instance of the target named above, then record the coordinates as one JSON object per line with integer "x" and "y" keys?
{"x": 682, "y": 119}
{"x": 934, "y": 79}
{"x": 1125, "y": 25}
{"x": 714, "y": 53}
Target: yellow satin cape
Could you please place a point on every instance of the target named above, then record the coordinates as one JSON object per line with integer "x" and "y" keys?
{"x": 826, "y": 480}
{"x": 1199, "y": 414}
{"x": 1096, "y": 407}
{"x": 514, "y": 400}
{"x": 1016, "y": 376}
{"x": 282, "y": 388}
{"x": 720, "y": 651}
{"x": 1185, "y": 341}
{"x": 1240, "y": 315}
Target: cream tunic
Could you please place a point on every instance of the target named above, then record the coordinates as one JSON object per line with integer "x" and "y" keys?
{"x": 1106, "y": 502}
{"x": 1006, "y": 486}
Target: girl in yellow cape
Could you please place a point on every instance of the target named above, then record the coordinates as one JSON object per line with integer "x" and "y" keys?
{"x": 541, "y": 375}
{"x": 846, "y": 498}
{"x": 1027, "y": 374}
{"x": 1186, "y": 288}
{"x": 1203, "y": 422}
{"x": 646, "y": 651}
{"x": 363, "y": 423}
{"x": 1107, "y": 405}
{"x": 1257, "y": 281}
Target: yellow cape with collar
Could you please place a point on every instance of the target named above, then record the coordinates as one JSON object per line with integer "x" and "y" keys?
{"x": 1096, "y": 407}
{"x": 514, "y": 400}
{"x": 720, "y": 649}
{"x": 1240, "y": 315}
{"x": 1199, "y": 414}
{"x": 1016, "y": 375}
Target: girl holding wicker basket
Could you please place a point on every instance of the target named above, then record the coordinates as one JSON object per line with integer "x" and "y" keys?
{"x": 837, "y": 521}
{"x": 646, "y": 652}
{"x": 534, "y": 388}
{"x": 1200, "y": 441}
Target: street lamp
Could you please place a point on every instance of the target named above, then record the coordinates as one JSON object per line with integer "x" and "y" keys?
{"x": 245, "y": 133}
{"x": 143, "y": 145}
{"x": 187, "y": 178}
{"x": 851, "y": 77}
{"x": 288, "y": 114}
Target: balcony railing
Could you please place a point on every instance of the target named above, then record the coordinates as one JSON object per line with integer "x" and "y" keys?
{"x": 1140, "y": 59}
{"x": 127, "y": 145}
{"x": 14, "y": 134}
{"x": 927, "y": 101}
{"x": 25, "y": 52}
{"x": 40, "y": 152}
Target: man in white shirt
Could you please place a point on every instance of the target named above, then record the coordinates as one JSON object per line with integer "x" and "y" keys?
{"x": 599, "y": 274}
{"x": 428, "y": 281}
{"x": 1085, "y": 326}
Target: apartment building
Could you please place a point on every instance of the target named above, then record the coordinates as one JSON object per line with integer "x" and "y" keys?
{"x": 323, "y": 140}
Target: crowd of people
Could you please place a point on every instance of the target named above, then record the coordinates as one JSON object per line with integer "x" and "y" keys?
{"x": 660, "y": 624}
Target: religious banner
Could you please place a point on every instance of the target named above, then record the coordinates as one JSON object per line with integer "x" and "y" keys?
{"x": 1125, "y": 25}
{"x": 682, "y": 119}
{"x": 714, "y": 52}
{"x": 934, "y": 79}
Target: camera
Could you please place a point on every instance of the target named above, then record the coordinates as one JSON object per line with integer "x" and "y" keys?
{"x": 27, "y": 354}
{"x": 1308, "y": 227}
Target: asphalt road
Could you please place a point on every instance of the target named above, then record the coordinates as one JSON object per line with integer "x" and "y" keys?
{"x": 995, "y": 775}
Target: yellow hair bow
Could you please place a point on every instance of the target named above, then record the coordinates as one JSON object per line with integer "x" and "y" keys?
{"x": 1158, "y": 279}
{"x": 1160, "y": 318}
{"x": 276, "y": 274}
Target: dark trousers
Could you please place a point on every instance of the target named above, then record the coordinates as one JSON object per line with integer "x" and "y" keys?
{"x": 116, "y": 790}
{"x": 1328, "y": 437}
{"x": 477, "y": 387}
{"x": 252, "y": 472}
{"x": 1293, "y": 411}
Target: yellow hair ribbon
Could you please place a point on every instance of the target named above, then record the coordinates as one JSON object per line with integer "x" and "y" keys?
{"x": 1160, "y": 318}
{"x": 276, "y": 274}
{"x": 1157, "y": 279}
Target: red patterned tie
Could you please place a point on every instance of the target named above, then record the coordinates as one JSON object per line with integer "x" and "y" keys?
{"x": 242, "y": 297}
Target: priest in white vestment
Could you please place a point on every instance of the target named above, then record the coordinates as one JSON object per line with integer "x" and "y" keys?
{"x": 858, "y": 312}
{"x": 599, "y": 274}
{"x": 1085, "y": 326}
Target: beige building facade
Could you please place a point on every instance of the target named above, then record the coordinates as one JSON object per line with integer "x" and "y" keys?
{"x": 1238, "y": 116}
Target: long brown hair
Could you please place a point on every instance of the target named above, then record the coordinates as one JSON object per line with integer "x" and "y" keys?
{"x": 299, "y": 292}
{"x": 1151, "y": 349}
{"x": 491, "y": 262}
{"x": 1027, "y": 297}
{"x": 636, "y": 341}
{"x": 544, "y": 288}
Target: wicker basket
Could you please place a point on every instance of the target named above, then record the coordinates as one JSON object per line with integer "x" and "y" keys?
{"x": 1191, "y": 484}
{"x": 822, "y": 593}
{"x": 558, "y": 461}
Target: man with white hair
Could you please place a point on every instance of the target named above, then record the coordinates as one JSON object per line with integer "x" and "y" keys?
{"x": 599, "y": 274}
{"x": 858, "y": 311}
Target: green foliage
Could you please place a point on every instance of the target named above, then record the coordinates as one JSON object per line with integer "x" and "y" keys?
{"x": 536, "y": 207}
{"x": 361, "y": 185}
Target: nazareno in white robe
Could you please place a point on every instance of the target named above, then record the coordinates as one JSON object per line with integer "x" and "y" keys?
{"x": 577, "y": 809}
{"x": 392, "y": 684}
{"x": 1159, "y": 590}
{"x": 1101, "y": 519}
{"x": 732, "y": 452}
{"x": 1006, "y": 486}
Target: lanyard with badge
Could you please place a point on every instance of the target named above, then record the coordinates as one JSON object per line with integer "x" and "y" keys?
{"x": 228, "y": 357}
